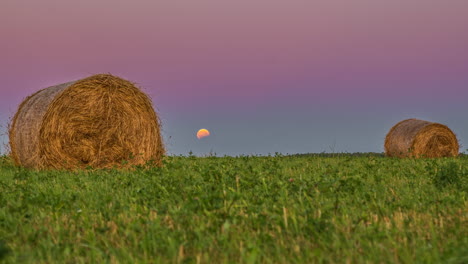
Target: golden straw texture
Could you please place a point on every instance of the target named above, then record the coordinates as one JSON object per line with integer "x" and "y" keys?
{"x": 420, "y": 139}
{"x": 101, "y": 121}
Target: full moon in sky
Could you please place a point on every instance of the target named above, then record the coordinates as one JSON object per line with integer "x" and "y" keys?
{"x": 202, "y": 133}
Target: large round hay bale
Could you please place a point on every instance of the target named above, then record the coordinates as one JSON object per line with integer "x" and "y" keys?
{"x": 420, "y": 139}
{"x": 101, "y": 121}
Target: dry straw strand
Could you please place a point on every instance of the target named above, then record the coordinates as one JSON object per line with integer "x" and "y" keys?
{"x": 101, "y": 121}
{"x": 420, "y": 139}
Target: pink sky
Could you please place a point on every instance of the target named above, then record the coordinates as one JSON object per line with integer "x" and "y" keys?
{"x": 211, "y": 59}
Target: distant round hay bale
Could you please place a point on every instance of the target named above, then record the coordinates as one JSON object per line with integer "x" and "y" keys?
{"x": 420, "y": 139}
{"x": 101, "y": 121}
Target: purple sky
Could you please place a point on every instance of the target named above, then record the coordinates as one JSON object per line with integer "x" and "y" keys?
{"x": 263, "y": 76}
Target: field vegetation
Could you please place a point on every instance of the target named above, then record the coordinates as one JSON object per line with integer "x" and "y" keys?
{"x": 250, "y": 209}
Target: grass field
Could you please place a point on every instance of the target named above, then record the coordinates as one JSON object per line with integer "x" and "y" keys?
{"x": 279, "y": 209}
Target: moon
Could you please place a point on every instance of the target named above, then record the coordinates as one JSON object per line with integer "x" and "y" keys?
{"x": 203, "y": 133}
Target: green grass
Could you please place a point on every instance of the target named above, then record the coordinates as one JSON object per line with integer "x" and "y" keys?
{"x": 282, "y": 209}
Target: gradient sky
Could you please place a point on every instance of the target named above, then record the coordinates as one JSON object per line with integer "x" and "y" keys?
{"x": 263, "y": 76}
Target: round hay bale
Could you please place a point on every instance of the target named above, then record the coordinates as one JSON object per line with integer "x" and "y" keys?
{"x": 101, "y": 121}
{"x": 420, "y": 139}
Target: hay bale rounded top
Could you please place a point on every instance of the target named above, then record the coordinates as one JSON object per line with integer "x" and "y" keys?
{"x": 420, "y": 139}
{"x": 101, "y": 121}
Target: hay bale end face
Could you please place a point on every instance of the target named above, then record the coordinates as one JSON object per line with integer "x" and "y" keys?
{"x": 420, "y": 139}
{"x": 101, "y": 121}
